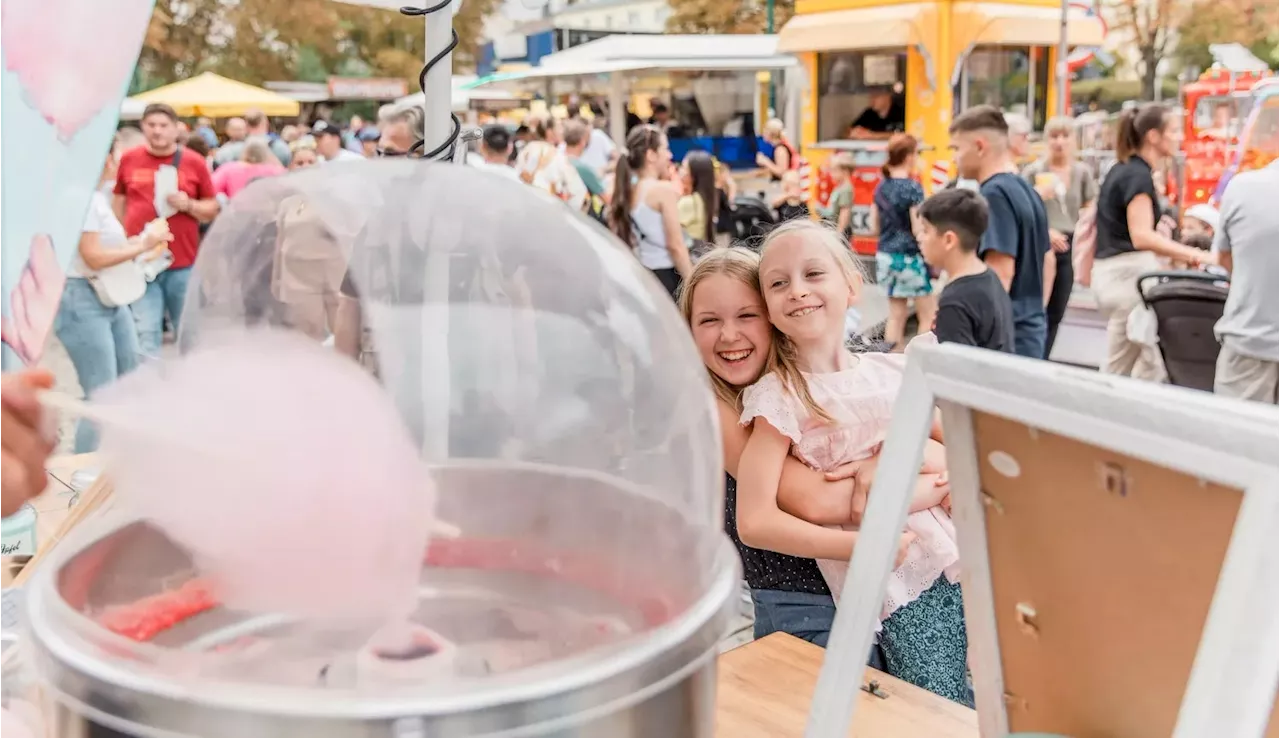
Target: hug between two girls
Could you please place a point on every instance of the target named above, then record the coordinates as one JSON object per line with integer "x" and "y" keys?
{"x": 771, "y": 330}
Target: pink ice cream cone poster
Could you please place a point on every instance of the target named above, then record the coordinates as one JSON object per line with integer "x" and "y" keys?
{"x": 64, "y": 67}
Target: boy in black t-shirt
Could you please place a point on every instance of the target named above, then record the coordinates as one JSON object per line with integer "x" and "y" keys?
{"x": 974, "y": 308}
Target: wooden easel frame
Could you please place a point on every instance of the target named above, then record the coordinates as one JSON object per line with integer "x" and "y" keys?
{"x": 1232, "y": 688}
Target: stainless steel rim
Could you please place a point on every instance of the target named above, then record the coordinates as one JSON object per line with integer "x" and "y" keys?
{"x": 649, "y": 662}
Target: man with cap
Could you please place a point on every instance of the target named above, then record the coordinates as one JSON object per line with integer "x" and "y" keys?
{"x": 329, "y": 142}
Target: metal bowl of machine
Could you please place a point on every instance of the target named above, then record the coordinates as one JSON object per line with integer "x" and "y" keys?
{"x": 548, "y": 630}
{"x": 584, "y": 581}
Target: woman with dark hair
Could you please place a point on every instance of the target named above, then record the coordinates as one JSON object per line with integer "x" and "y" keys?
{"x": 699, "y": 208}
{"x": 644, "y": 211}
{"x": 900, "y": 269}
{"x": 1131, "y": 235}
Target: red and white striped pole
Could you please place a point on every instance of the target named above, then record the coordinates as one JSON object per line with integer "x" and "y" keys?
{"x": 941, "y": 173}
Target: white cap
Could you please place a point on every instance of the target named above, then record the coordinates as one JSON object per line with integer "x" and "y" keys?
{"x": 1204, "y": 213}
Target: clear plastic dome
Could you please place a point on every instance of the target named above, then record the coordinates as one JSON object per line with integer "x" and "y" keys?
{"x": 505, "y": 326}
{"x": 566, "y": 416}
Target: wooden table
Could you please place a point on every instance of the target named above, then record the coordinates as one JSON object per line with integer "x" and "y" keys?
{"x": 55, "y": 503}
{"x": 765, "y": 687}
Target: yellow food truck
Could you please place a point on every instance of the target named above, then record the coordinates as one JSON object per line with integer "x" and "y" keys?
{"x": 935, "y": 58}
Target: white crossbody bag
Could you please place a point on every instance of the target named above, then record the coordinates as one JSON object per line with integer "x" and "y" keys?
{"x": 119, "y": 285}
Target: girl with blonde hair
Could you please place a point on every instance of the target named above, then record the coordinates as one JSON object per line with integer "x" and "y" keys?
{"x": 721, "y": 303}
{"x": 827, "y": 406}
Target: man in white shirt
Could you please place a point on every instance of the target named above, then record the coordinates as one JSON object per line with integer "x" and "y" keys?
{"x": 495, "y": 152}
{"x": 1249, "y": 330}
{"x": 329, "y": 143}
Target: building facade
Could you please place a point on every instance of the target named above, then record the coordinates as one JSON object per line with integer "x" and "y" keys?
{"x": 522, "y": 35}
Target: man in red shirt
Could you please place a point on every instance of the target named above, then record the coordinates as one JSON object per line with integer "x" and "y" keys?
{"x": 134, "y": 204}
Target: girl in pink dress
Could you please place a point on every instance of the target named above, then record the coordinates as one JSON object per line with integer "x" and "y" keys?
{"x": 829, "y": 407}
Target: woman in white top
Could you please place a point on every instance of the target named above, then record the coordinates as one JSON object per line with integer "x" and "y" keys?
{"x": 101, "y": 340}
{"x": 644, "y": 211}
{"x": 544, "y": 166}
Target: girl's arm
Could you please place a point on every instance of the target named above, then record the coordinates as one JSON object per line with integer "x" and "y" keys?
{"x": 761, "y": 523}
{"x": 931, "y": 485}
{"x": 803, "y": 492}
{"x": 667, "y": 205}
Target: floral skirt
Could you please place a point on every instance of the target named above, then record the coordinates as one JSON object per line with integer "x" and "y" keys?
{"x": 925, "y": 643}
{"x": 903, "y": 275}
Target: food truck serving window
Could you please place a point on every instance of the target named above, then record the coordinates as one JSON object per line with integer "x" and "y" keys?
{"x": 1012, "y": 78}
{"x": 846, "y": 81}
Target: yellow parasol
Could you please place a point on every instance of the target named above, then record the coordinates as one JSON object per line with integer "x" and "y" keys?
{"x": 215, "y": 96}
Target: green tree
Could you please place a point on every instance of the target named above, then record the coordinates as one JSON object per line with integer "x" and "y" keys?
{"x": 1251, "y": 23}
{"x": 180, "y": 38}
{"x": 258, "y": 40}
{"x": 1150, "y": 26}
{"x": 721, "y": 16}
{"x": 264, "y": 38}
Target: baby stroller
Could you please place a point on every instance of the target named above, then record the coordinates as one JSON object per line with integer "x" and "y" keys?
{"x": 1187, "y": 305}
{"x": 752, "y": 218}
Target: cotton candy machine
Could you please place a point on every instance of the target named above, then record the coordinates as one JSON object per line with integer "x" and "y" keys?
{"x": 578, "y": 581}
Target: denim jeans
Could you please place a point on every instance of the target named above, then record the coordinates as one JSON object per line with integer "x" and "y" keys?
{"x": 803, "y": 615}
{"x": 1030, "y": 327}
{"x": 165, "y": 295}
{"x": 101, "y": 341}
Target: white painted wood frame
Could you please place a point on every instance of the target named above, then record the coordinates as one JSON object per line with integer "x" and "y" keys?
{"x": 1232, "y": 687}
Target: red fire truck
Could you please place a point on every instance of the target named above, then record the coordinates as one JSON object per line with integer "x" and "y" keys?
{"x": 1214, "y": 110}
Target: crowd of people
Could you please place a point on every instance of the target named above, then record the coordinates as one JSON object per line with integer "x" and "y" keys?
{"x": 803, "y": 409}
{"x": 162, "y": 185}
{"x": 803, "y": 406}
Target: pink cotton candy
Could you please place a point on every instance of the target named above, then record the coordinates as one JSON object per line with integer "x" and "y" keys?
{"x": 44, "y": 43}
{"x": 284, "y": 468}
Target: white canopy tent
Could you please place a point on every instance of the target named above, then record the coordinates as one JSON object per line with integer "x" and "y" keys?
{"x": 463, "y": 94}
{"x": 618, "y": 57}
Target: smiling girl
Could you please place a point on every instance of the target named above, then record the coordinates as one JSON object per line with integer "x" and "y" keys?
{"x": 722, "y": 304}
{"x": 727, "y": 317}
{"x": 826, "y": 406}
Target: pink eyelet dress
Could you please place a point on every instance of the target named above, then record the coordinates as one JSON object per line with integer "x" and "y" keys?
{"x": 861, "y": 400}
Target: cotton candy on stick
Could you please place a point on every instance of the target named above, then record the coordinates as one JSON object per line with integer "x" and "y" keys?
{"x": 284, "y": 468}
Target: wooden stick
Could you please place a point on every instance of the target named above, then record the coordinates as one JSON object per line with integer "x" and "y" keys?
{"x": 74, "y": 407}
{"x": 91, "y": 500}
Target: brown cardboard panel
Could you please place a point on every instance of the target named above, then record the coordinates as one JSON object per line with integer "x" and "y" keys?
{"x": 1118, "y": 560}
{"x": 1273, "y": 725}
